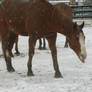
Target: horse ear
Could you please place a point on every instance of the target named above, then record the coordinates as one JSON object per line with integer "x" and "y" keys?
{"x": 82, "y": 25}
{"x": 75, "y": 25}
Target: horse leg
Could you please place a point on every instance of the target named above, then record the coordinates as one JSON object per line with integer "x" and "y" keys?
{"x": 11, "y": 41}
{"x": 66, "y": 43}
{"x": 52, "y": 45}
{"x": 32, "y": 42}
{"x": 44, "y": 43}
{"x": 6, "y": 54}
{"x": 16, "y": 46}
{"x": 40, "y": 44}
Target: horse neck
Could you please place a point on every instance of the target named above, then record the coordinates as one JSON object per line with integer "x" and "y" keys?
{"x": 59, "y": 22}
{"x": 38, "y": 1}
{"x": 67, "y": 26}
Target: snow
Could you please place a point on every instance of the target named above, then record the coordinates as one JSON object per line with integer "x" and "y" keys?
{"x": 77, "y": 76}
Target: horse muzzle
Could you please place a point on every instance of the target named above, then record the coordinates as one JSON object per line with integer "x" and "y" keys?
{"x": 82, "y": 58}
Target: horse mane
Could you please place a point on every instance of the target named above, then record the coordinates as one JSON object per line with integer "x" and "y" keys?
{"x": 48, "y": 12}
{"x": 17, "y": 1}
{"x": 65, "y": 9}
{"x": 34, "y": 1}
{"x": 64, "y": 20}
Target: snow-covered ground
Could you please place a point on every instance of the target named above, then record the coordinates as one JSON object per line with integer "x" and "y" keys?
{"x": 77, "y": 76}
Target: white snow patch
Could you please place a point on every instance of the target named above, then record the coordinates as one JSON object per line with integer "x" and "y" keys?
{"x": 77, "y": 76}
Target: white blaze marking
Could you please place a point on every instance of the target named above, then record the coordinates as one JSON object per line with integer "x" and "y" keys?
{"x": 82, "y": 44}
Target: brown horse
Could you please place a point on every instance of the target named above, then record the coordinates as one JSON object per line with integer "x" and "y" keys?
{"x": 13, "y": 38}
{"x": 65, "y": 9}
{"x": 42, "y": 44}
{"x": 39, "y": 19}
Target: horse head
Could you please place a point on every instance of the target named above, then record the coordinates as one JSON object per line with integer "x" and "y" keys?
{"x": 77, "y": 41}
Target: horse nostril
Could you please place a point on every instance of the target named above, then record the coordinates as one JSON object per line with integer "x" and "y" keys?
{"x": 83, "y": 56}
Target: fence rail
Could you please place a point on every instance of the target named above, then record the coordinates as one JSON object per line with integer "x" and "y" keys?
{"x": 82, "y": 11}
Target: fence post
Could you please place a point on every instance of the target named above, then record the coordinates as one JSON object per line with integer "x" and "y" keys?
{"x": 72, "y": 1}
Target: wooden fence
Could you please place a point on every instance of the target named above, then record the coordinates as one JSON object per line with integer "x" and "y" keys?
{"x": 82, "y": 11}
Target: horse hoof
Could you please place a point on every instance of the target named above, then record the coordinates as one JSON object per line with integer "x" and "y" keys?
{"x": 17, "y": 53}
{"x": 30, "y": 74}
{"x": 44, "y": 48}
{"x": 40, "y": 48}
{"x": 11, "y": 55}
{"x": 11, "y": 69}
{"x": 66, "y": 46}
{"x": 58, "y": 75}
